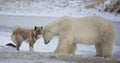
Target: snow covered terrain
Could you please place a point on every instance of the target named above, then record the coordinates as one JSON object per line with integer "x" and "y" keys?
{"x": 29, "y": 13}
{"x": 9, "y": 55}
{"x": 54, "y": 8}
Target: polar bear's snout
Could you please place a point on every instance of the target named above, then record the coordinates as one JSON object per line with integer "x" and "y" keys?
{"x": 46, "y": 42}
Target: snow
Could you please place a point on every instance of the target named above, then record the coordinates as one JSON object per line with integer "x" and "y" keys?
{"x": 40, "y": 12}
{"x": 9, "y": 55}
{"x": 54, "y": 8}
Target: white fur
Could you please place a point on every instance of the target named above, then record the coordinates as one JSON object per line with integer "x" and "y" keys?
{"x": 86, "y": 30}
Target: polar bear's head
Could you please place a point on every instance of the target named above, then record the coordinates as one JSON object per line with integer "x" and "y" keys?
{"x": 48, "y": 33}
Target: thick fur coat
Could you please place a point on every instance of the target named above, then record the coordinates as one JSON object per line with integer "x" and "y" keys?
{"x": 85, "y": 30}
{"x": 29, "y": 35}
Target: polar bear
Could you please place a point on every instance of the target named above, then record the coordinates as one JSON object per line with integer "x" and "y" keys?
{"x": 88, "y": 30}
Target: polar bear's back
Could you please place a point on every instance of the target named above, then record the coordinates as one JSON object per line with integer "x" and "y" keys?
{"x": 87, "y": 19}
{"x": 89, "y": 30}
{"x": 84, "y": 22}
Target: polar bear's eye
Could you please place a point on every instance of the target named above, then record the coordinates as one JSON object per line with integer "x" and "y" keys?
{"x": 48, "y": 30}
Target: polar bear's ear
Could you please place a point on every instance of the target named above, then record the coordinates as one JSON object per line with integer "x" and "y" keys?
{"x": 41, "y": 27}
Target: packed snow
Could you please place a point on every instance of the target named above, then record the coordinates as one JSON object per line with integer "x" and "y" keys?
{"x": 9, "y": 55}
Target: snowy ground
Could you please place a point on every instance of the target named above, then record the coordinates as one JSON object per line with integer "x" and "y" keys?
{"x": 29, "y": 13}
{"x": 10, "y": 55}
{"x": 7, "y": 22}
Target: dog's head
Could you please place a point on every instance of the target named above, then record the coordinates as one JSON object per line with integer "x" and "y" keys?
{"x": 38, "y": 30}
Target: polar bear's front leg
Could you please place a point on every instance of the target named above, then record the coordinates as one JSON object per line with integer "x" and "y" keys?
{"x": 66, "y": 46}
{"x": 69, "y": 48}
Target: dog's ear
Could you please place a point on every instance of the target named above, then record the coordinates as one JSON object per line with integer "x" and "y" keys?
{"x": 35, "y": 28}
{"x": 41, "y": 27}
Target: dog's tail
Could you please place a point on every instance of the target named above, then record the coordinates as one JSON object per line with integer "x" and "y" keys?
{"x": 10, "y": 44}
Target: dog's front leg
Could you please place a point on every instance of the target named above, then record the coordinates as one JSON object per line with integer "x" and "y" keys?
{"x": 18, "y": 45}
{"x": 31, "y": 46}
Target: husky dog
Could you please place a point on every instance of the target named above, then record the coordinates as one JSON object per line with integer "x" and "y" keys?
{"x": 29, "y": 35}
